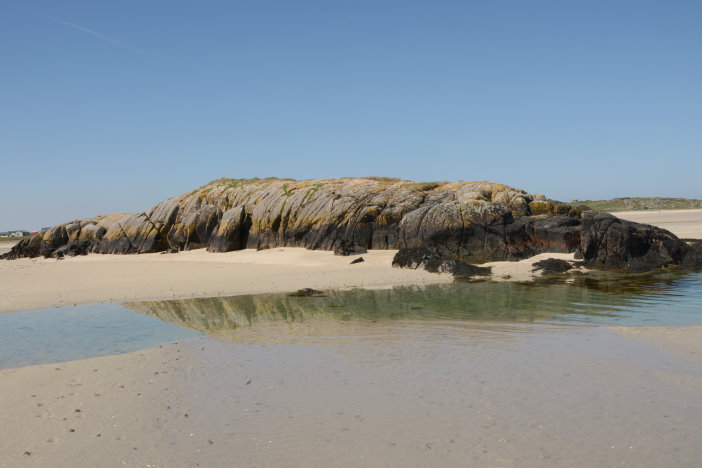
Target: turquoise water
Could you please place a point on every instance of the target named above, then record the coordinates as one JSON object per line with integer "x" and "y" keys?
{"x": 69, "y": 333}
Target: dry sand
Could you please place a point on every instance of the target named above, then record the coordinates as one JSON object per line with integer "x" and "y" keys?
{"x": 686, "y": 224}
{"x": 401, "y": 394}
{"x": 522, "y": 270}
{"x": 37, "y": 283}
{"x": 5, "y": 246}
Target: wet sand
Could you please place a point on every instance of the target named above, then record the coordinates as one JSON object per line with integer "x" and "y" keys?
{"x": 684, "y": 342}
{"x": 401, "y": 394}
{"x": 107, "y": 411}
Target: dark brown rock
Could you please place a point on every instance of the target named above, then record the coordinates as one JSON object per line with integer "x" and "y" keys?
{"x": 611, "y": 243}
{"x": 306, "y": 292}
{"x": 347, "y": 248}
{"x": 434, "y": 262}
{"x": 79, "y": 247}
{"x": 232, "y": 231}
{"x": 693, "y": 258}
{"x": 551, "y": 266}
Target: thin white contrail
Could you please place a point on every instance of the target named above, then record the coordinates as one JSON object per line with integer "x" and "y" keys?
{"x": 89, "y": 31}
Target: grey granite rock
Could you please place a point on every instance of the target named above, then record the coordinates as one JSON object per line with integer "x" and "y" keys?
{"x": 465, "y": 222}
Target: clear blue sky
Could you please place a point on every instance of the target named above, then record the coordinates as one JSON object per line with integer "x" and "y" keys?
{"x": 115, "y": 106}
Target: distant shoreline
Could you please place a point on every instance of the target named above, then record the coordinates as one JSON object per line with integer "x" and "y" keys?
{"x": 641, "y": 204}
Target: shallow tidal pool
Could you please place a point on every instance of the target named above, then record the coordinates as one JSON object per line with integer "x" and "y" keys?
{"x": 69, "y": 333}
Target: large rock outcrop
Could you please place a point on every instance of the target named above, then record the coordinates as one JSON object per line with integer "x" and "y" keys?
{"x": 461, "y": 222}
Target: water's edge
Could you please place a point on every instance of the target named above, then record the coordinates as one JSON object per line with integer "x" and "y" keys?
{"x": 70, "y": 333}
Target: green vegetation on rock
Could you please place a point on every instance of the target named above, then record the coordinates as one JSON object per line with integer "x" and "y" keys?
{"x": 311, "y": 191}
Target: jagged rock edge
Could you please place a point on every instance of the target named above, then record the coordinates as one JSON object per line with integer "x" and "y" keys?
{"x": 497, "y": 222}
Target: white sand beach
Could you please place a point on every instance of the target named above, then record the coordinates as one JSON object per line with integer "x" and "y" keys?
{"x": 478, "y": 395}
{"x": 38, "y": 283}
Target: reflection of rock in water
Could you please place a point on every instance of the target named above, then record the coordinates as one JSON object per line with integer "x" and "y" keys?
{"x": 629, "y": 284}
{"x": 592, "y": 298}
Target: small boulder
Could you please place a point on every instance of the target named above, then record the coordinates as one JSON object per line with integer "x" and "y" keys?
{"x": 357, "y": 260}
{"x": 306, "y": 292}
{"x": 72, "y": 249}
{"x": 552, "y": 266}
{"x": 433, "y": 262}
{"x": 347, "y": 247}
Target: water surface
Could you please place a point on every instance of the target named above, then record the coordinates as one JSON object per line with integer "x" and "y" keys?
{"x": 68, "y": 333}
{"x": 663, "y": 299}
